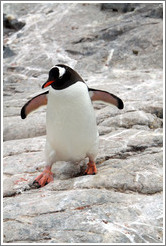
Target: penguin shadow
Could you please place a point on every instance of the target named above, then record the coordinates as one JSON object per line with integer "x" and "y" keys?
{"x": 64, "y": 171}
{"x": 69, "y": 170}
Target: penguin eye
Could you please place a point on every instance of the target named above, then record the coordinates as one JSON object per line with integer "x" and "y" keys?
{"x": 62, "y": 71}
{"x": 54, "y": 73}
{"x": 57, "y": 72}
{"x": 60, "y": 77}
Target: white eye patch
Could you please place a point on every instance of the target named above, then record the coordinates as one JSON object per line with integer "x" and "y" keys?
{"x": 62, "y": 70}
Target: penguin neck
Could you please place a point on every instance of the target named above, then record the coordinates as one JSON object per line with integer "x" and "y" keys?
{"x": 77, "y": 89}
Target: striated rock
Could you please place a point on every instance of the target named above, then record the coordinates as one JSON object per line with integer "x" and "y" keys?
{"x": 130, "y": 119}
{"x": 89, "y": 213}
{"x": 25, "y": 128}
{"x": 120, "y": 51}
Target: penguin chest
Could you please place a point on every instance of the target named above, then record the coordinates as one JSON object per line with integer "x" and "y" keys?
{"x": 71, "y": 122}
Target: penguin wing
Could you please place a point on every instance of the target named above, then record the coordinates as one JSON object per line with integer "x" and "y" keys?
{"x": 33, "y": 104}
{"x": 106, "y": 97}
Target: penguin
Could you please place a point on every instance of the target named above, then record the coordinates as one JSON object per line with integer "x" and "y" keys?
{"x": 71, "y": 129}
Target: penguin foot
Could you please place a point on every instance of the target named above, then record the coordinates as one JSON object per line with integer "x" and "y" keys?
{"x": 44, "y": 178}
{"x": 91, "y": 169}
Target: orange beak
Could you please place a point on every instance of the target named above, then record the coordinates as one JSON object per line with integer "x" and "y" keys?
{"x": 47, "y": 84}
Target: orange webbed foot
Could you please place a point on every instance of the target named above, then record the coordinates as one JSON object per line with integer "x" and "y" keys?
{"x": 44, "y": 178}
{"x": 91, "y": 169}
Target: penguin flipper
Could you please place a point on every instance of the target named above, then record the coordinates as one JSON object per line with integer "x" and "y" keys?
{"x": 33, "y": 104}
{"x": 106, "y": 97}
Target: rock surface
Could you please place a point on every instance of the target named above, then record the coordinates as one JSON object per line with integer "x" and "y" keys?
{"x": 112, "y": 50}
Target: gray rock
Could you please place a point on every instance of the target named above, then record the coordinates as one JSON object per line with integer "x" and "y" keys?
{"x": 11, "y": 24}
{"x": 7, "y": 52}
{"x": 25, "y": 127}
{"x": 121, "y": 7}
{"x": 89, "y": 213}
{"x": 151, "y": 10}
{"x": 119, "y": 52}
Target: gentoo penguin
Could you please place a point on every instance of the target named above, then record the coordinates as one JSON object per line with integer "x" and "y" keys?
{"x": 71, "y": 127}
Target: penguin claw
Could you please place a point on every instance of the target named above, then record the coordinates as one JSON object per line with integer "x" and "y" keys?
{"x": 43, "y": 179}
{"x": 91, "y": 169}
{"x": 35, "y": 184}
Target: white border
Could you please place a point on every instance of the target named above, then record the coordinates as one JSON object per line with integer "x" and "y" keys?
{"x": 2, "y": 2}
{"x": 164, "y": 126}
{"x": 130, "y": 1}
{"x": 2, "y": 124}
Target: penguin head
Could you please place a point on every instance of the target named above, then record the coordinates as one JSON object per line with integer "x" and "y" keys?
{"x": 61, "y": 77}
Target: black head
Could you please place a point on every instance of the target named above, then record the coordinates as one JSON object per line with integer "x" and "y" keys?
{"x": 61, "y": 77}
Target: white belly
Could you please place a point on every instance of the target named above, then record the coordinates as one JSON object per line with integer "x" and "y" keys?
{"x": 71, "y": 124}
